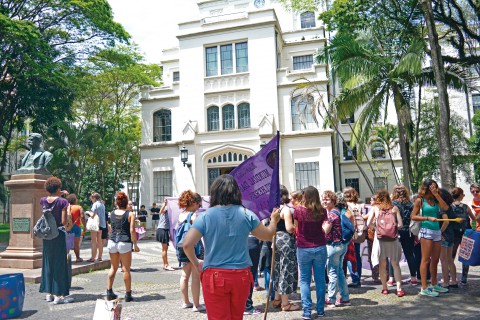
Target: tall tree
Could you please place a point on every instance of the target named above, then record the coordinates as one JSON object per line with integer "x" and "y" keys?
{"x": 42, "y": 43}
{"x": 443, "y": 132}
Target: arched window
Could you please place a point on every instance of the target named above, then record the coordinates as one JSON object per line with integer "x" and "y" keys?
{"x": 162, "y": 126}
{"x": 243, "y": 111}
{"x": 302, "y": 118}
{"x": 307, "y": 20}
{"x": 213, "y": 118}
{"x": 228, "y": 116}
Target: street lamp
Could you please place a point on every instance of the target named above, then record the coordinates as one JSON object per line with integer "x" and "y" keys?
{"x": 184, "y": 157}
{"x": 262, "y": 144}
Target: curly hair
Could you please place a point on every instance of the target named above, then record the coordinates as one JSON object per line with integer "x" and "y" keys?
{"x": 328, "y": 194}
{"x": 311, "y": 200}
{"x": 284, "y": 196}
{"x": 72, "y": 198}
{"x": 121, "y": 199}
{"x": 351, "y": 195}
{"x": 53, "y": 184}
{"x": 383, "y": 199}
{"x": 400, "y": 193}
{"x": 187, "y": 198}
{"x": 225, "y": 191}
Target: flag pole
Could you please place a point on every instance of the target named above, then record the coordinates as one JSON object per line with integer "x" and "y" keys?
{"x": 270, "y": 283}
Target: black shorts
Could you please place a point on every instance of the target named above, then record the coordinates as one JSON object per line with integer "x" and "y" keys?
{"x": 104, "y": 233}
{"x": 163, "y": 235}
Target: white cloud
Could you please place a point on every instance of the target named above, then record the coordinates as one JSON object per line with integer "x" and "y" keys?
{"x": 153, "y": 24}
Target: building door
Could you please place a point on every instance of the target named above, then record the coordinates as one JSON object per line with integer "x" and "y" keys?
{"x": 213, "y": 173}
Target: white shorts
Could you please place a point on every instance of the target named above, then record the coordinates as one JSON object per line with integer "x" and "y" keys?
{"x": 429, "y": 234}
{"x": 120, "y": 247}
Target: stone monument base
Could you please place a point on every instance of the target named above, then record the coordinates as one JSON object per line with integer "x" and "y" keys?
{"x": 24, "y": 251}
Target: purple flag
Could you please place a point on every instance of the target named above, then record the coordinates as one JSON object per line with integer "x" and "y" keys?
{"x": 258, "y": 179}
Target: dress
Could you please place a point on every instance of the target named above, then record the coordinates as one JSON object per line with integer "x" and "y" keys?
{"x": 54, "y": 261}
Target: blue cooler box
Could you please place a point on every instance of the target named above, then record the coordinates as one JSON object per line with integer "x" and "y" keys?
{"x": 12, "y": 295}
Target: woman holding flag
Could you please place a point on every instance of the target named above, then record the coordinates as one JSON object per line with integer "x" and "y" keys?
{"x": 225, "y": 274}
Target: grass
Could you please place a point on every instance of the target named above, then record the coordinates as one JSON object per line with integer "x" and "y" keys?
{"x": 4, "y": 233}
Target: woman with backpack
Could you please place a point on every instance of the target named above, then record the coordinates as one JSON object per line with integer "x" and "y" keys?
{"x": 461, "y": 210}
{"x": 430, "y": 202}
{"x": 190, "y": 202}
{"x": 225, "y": 226}
{"x": 311, "y": 249}
{"x": 336, "y": 249}
{"x": 388, "y": 221}
{"x": 401, "y": 199}
{"x": 449, "y": 271}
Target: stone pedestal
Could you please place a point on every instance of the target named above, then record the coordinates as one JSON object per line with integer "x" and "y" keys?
{"x": 24, "y": 251}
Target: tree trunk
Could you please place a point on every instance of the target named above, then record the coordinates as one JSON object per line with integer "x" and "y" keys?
{"x": 403, "y": 116}
{"x": 444, "y": 145}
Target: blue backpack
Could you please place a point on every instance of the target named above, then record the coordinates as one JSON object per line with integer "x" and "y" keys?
{"x": 348, "y": 228}
{"x": 180, "y": 235}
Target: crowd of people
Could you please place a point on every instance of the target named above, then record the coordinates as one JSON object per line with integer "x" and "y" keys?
{"x": 307, "y": 236}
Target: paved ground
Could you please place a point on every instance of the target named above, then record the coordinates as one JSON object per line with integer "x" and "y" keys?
{"x": 157, "y": 296}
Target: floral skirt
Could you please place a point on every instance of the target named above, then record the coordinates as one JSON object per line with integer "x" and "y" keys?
{"x": 285, "y": 273}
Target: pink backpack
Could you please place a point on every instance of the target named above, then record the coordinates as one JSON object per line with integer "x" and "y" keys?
{"x": 387, "y": 225}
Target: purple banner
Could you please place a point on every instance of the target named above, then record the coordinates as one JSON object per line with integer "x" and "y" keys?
{"x": 258, "y": 179}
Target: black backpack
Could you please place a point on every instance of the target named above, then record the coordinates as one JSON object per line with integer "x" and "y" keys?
{"x": 460, "y": 211}
{"x": 405, "y": 212}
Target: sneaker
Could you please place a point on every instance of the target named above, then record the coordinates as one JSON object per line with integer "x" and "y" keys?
{"x": 62, "y": 300}
{"x": 321, "y": 314}
{"x": 341, "y": 302}
{"x": 429, "y": 292}
{"x": 252, "y": 311}
{"x": 200, "y": 308}
{"x": 307, "y": 316}
{"x": 187, "y": 305}
{"x": 128, "y": 296}
{"x": 329, "y": 304}
{"x": 439, "y": 289}
{"x": 49, "y": 297}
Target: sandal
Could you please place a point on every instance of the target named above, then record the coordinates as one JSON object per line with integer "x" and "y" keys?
{"x": 291, "y": 307}
{"x": 91, "y": 260}
{"x": 385, "y": 291}
{"x": 168, "y": 268}
{"x": 276, "y": 303}
{"x": 400, "y": 293}
{"x": 99, "y": 260}
{"x": 79, "y": 260}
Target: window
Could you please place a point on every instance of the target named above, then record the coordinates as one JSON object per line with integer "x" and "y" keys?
{"x": 307, "y": 20}
{"x": 230, "y": 59}
{"x": 213, "y": 119}
{"x": 243, "y": 111}
{"x": 176, "y": 76}
{"x": 349, "y": 153}
{"x": 378, "y": 150}
{"x": 241, "y": 52}
{"x": 354, "y": 183}
{"x": 475, "y": 102}
{"x": 162, "y": 126}
{"x": 228, "y": 116}
{"x": 380, "y": 183}
{"x": 307, "y": 174}
{"x": 350, "y": 119}
{"x": 211, "y": 61}
{"x": 302, "y": 118}
{"x": 162, "y": 185}
{"x": 302, "y": 62}
{"x": 226, "y": 59}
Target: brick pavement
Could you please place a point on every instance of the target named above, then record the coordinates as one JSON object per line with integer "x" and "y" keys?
{"x": 157, "y": 296}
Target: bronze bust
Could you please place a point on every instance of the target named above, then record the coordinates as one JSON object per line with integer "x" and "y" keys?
{"x": 36, "y": 160}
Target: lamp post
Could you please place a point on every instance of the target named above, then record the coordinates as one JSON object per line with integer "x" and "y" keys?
{"x": 262, "y": 144}
{"x": 184, "y": 157}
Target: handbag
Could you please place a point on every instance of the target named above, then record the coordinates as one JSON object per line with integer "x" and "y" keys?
{"x": 141, "y": 232}
{"x": 93, "y": 223}
{"x": 108, "y": 310}
{"x": 70, "y": 239}
{"x": 415, "y": 226}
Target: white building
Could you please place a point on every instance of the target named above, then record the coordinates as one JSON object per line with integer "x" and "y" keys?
{"x": 227, "y": 90}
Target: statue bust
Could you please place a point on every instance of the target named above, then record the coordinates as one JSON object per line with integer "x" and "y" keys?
{"x": 36, "y": 160}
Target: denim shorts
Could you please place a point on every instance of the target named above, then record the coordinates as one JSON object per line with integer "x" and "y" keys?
{"x": 447, "y": 244}
{"x": 429, "y": 234}
{"x": 119, "y": 247}
{"x": 76, "y": 230}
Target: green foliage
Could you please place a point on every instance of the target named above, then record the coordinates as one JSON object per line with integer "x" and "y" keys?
{"x": 302, "y": 5}
{"x": 4, "y": 233}
{"x": 429, "y": 156}
{"x": 474, "y": 146}
{"x": 346, "y": 15}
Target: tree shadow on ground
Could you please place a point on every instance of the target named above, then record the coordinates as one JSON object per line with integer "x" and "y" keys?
{"x": 143, "y": 270}
{"x": 27, "y": 314}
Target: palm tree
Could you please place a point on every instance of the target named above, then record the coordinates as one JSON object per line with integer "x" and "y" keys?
{"x": 387, "y": 136}
{"x": 370, "y": 74}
